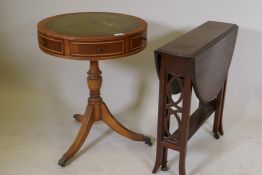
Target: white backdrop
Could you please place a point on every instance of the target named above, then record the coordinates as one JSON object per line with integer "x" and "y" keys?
{"x": 36, "y": 89}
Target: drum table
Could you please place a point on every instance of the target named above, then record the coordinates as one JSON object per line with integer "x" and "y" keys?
{"x": 93, "y": 36}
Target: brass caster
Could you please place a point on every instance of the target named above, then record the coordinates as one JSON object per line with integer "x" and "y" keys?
{"x": 78, "y": 117}
{"x": 62, "y": 162}
{"x": 164, "y": 168}
{"x": 148, "y": 141}
{"x": 217, "y": 136}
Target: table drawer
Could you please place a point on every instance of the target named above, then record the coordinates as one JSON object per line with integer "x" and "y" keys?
{"x": 137, "y": 42}
{"x": 97, "y": 49}
{"x": 50, "y": 44}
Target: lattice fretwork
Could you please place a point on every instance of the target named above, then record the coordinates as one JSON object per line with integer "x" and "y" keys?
{"x": 174, "y": 99}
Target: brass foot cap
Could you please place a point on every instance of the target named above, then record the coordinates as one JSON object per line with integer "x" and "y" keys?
{"x": 148, "y": 141}
{"x": 78, "y": 117}
{"x": 164, "y": 168}
{"x": 216, "y": 135}
{"x": 62, "y": 162}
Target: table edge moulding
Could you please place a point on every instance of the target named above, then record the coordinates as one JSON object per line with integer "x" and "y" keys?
{"x": 96, "y": 47}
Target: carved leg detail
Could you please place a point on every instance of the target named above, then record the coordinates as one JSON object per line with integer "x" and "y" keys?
{"x": 109, "y": 119}
{"x": 87, "y": 123}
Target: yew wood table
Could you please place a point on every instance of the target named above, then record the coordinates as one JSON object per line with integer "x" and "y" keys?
{"x": 93, "y": 36}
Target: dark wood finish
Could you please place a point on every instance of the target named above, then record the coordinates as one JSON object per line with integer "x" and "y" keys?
{"x": 200, "y": 59}
{"x": 94, "y": 47}
{"x": 210, "y": 48}
{"x": 218, "y": 123}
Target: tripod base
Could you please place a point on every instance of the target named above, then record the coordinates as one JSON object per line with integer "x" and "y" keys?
{"x": 97, "y": 110}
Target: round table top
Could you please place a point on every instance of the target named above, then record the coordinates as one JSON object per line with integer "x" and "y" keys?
{"x": 92, "y": 35}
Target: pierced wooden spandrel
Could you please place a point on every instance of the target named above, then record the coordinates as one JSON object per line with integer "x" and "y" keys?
{"x": 197, "y": 60}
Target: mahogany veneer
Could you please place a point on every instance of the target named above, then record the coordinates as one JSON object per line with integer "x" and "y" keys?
{"x": 199, "y": 59}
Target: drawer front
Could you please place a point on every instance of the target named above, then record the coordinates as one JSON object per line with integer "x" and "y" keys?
{"x": 110, "y": 48}
{"x": 137, "y": 42}
{"x": 50, "y": 44}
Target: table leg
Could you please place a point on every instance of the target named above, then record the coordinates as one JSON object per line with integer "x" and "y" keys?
{"x": 221, "y": 130}
{"x": 187, "y": 93}
{"x": 97, "y": 110}
{"x": 88, "y": 120}
{"x": 218, "y": 124}
{"x": 109, "y": 119}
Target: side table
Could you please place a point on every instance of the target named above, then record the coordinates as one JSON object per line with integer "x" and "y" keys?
{"x": 93, "y": 36}
{"x": 199, "y": 60}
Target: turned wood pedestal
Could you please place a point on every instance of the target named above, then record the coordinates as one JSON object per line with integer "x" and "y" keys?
{"x": 198, "y": 60}
{"x": 93, "y": 36}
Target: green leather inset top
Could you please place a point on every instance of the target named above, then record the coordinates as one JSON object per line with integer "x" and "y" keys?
{"x": 92, "y": 24}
